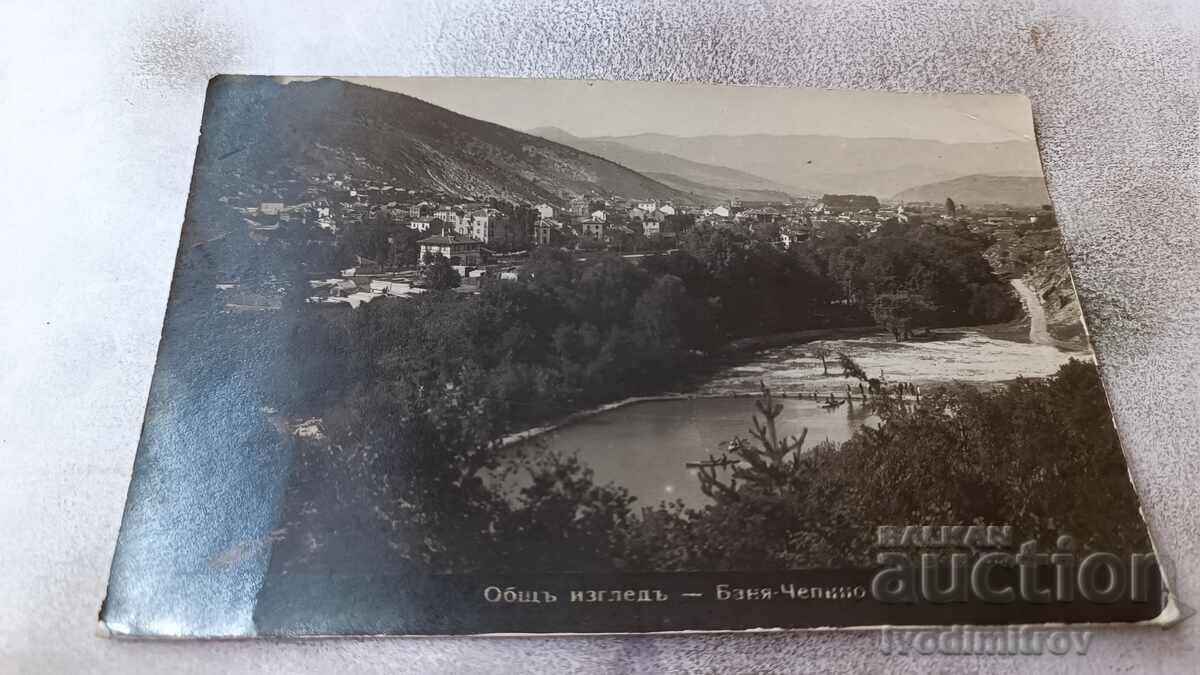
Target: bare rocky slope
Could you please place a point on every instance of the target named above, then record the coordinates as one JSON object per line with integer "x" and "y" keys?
{"x": 1038, "y": 257}
{"x": 329, "y": 125}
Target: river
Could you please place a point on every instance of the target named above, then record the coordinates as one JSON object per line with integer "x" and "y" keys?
{"x": 644, "y": 446}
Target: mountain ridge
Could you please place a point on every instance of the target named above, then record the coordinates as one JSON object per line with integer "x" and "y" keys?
{"x": 840, "y": 164}
{"x": 981, "y": 189}
{"x": 713, "y": 181}
{"x": 330, "y": 125}
{"x": 716, "y": 193}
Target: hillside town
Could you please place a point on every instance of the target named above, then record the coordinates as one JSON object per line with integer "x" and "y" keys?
{"x": 488, "y": 238}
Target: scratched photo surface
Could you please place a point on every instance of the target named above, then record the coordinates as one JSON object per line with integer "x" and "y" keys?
{"x": 483, "y": 334}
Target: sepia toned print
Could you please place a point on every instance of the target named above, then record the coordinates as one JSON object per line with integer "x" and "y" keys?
{"x": 558, "y": 356}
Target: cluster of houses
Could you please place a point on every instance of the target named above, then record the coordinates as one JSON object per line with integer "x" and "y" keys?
{"x": 470, "y": 234}
{"x": 354, "y": 291}
{"x": 463, "y": 231}
{"x": 539, "y": 225}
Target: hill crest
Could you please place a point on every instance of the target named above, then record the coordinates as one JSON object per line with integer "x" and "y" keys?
{"x": 982, "y": 189}
{"x": 330, "y": 125}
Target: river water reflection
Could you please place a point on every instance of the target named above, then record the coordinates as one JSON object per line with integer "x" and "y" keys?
{"x": 644, "y": 446}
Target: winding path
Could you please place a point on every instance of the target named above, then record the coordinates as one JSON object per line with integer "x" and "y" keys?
{"x": 1039, "y": 334}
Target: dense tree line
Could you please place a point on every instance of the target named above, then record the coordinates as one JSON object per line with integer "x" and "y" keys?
{"x": 563, "y": 335}
{"x": 916, "y": 275}
{"x": 903, "y": 277}
{"x": 381, "y": 238}
{"x": 1040, "y": 455}
{"x": 416, "y": 393}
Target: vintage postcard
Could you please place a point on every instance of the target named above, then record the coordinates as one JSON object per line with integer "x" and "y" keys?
{"x": 479, "y": 356}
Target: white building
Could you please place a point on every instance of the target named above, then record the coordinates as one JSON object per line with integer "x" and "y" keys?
{"x": 449, "y": 217}
{"x": 458, "y": 250}
{"x": 483, "y": 224}
{"x": 421, "y": 224}
{"x": 418, "y": 210}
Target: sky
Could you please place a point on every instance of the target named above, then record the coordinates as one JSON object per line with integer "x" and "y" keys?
{"x": 608, "y": 108}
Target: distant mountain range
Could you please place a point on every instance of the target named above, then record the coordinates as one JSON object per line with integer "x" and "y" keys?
{"x": 980, "y": 190}
{"x": 709, "y": 182}
{"x": 329, "y": 125}
{"x": 814, "y": 165}
{"x": 711, "y": 194}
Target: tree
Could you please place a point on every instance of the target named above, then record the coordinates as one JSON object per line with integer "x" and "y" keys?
{"x": 563, "y": 519}
{"x": 667, "y": 319}
{"x": 766, "y": 232}
{"x": 822, "y": 352}
{"x": 951, "y": 207}
{"x": 1040, "y": 455}
{"x": 898, "y": 312}
{"x": 764, "y": 468}
{"x": 404, "y": 248}
{"x": 438, "y": 274}
{"x": 775, "y": 506}
{"x": 850, "y": 368}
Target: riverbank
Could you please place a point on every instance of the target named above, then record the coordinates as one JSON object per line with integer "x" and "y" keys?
{"x": 731, "y": 352}
{"x": 573, "y": 418}
{"x": 650, "y": 448}
{"x": 534, "y": 432}
{"x": 1013, "y": 331}
{"x": 783, "y": 363}
{"x": 760, "y": 342}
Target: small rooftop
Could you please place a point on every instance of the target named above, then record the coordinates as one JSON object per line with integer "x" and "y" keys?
{"x": 448, "y": 240}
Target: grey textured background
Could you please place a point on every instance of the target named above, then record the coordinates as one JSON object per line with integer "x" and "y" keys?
{"x": 100, "y": 106}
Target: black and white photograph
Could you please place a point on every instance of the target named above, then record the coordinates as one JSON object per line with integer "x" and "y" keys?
{"x": 566, "y": 356}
